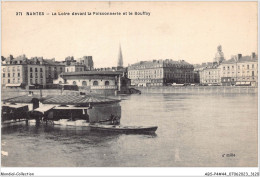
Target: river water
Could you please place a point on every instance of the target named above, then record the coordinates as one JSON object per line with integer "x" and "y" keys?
{"x": 194, "y": 130}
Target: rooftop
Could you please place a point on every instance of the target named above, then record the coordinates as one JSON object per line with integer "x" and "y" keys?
{"x": 25, "y": 99}
{"x": 63, "y": 99}
{"x": 241, "y": 60}
{"x": 92, "y": 73}
{"x": 167, "y": 61}
{"x": 79, "y": 100}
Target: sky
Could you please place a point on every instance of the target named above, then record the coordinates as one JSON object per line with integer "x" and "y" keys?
{"x": 174, "y": 30}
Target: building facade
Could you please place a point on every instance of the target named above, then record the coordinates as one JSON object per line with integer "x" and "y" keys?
{"x": 210, "y": 75}
{"x": 13, "y": 75}
{"x": 36, "y": 75}
{"x": 95, "y": 80}
{"x": 240, "y": 70}
{"x": 25, "y": 73}
{"x": 87, "y": 61}
{"x": 160, "y": 72}
{"x": 52, "y": 70}
{"x": 74, "y": 68}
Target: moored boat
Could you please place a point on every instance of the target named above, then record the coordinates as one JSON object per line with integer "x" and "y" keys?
{"x": 124, "y": 129}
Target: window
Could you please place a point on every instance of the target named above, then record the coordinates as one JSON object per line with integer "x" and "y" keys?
{"x": 247, "y": 66}
{"x": 40, "y": 69}
{"x": 36, "y": 81}
{"x": 31, "y": 76}
{"x": 95, "y": 83}
{"x": 31, "y": 81}
{"x": 232, "y": 67}
{"x": 253, "y": 66}
{"x": 41, "y": 81}
{"x": 84, "y": 83}
{"x": 13, "y": 74}
{"x": 74, "y": 83}
{"x": 107, "y": 83}
{"x": 41, "y": 75}
{"x": 253, "y": 73}
{"x": 36, "y": 70}
{"x": 18, "y": 74}
{"x": 8, "y": 74}
{"x": 3, "y": 74}
{"x": 238, "y": 67}
{"x": 8, "y": 80}
{"x": 4, "y": 69}
{"x": 60, "y": 68}
{"x": 31, "y": 70}
{"x": 228, "y": 67}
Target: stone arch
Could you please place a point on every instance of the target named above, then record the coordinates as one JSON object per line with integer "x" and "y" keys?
{"x": 74, "y": 83}
{"x": 95, "y": 83}
{"x": 84, "y": 83}
{"x": 106, "y": 82}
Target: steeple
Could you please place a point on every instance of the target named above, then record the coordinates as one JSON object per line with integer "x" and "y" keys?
{"x": 120, "y": 58}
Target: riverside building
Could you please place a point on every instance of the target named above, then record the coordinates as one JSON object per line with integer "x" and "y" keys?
{"x": 160, "y": 72}
{"x": 106, "y": 82}
{"x": 28, "y": 73}
{"x": 240, "y": 70}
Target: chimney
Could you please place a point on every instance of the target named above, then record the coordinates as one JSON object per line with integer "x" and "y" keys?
{"x": 239, "y": 56}
{"x": 253, "y": 55}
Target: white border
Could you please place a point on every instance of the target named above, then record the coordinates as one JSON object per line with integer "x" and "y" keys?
{"x": 161, "y": 171}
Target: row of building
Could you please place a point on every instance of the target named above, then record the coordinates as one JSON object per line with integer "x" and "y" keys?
{"x": 239, "y": 70}
{"x": 24, "y": 72}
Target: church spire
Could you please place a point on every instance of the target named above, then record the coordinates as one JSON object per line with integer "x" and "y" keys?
{"x": 120, "y": 58}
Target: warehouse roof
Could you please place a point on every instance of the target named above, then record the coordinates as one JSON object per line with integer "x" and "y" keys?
{"x": 78, "y": 100}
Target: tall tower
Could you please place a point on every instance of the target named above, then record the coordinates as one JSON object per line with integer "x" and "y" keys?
{"x": 120, "y": 58}
{"x": 219, "y": 57}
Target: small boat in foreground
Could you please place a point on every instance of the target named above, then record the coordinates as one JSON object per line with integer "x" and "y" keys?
{"x": 124, "y": 129}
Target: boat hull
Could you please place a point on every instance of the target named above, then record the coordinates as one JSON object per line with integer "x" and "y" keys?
{"x": 124, "y": 129}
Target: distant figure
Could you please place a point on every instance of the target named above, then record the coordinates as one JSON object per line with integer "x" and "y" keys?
{"x": 112, "y": 118}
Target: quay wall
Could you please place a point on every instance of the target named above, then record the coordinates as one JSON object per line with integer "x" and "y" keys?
{"x": 199, "y": 89}
{"x": 10, "y": 93}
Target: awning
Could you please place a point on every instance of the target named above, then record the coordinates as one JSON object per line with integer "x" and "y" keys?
{"x": 13, "y": 85}
{"x": 15, "y": 105}
{"x": 69, "y": 107}
{"x": 44, "y": 108}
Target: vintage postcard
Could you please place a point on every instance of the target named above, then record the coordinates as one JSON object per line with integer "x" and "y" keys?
{"x": 129, "y": 84}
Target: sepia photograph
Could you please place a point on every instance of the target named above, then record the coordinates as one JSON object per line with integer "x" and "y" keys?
{"x": 129, "y": 84}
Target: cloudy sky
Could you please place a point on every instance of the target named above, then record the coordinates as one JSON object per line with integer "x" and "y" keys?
{"x": 174, "y": 30}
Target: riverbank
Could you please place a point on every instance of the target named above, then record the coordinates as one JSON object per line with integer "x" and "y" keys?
{"x": 9, "y": 93}
{"x": 198, "y": 89}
